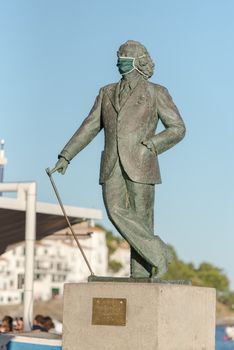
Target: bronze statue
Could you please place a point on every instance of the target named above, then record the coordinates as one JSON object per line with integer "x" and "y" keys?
{"x": 129, "y": 112}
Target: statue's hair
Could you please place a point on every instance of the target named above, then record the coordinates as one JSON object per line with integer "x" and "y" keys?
{"x": 135, "y": 49}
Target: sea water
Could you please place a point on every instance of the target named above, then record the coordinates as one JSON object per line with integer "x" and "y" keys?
{"x": 220, "y": 342}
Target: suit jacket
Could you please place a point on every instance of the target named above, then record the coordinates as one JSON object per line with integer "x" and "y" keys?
{"x": 127, "y": 126}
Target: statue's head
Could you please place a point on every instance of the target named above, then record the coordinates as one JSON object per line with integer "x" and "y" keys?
{"x": 132, "y": 55}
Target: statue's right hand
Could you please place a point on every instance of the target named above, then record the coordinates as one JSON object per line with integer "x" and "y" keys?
{"x": 60, "y": 166}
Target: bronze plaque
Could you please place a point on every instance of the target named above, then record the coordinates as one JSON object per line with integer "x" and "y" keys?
{"x": 109, "y": 312}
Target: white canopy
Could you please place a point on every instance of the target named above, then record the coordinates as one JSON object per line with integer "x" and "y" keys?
{"x": 49, "y": 219}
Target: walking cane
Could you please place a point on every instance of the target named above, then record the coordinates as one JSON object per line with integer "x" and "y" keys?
{"x": 49, "y": 173}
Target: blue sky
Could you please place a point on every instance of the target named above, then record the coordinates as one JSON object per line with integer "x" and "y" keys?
{"x": 55, "y": 55}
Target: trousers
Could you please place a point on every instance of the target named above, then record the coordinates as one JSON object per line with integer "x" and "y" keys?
{"x": 130, "y": 207}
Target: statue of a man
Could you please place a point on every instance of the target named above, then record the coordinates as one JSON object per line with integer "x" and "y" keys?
{"x": 129, "y": 112}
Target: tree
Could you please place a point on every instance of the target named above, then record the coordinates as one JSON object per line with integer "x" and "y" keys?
{"x": 212, "y": 276}
{"x": 115, "y": 266}
{"x": 206, "y": 275}
{"x": 178, "y": 270}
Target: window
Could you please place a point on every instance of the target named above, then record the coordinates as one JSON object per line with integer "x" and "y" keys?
{"x": 11, "y": 283}
{"x": 20, "y": 282}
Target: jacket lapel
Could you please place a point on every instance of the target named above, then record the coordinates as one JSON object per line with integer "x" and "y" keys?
{"x": 113, "y": 95}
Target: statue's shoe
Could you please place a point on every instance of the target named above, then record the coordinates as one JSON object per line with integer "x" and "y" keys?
{"x": 160, "y": 270}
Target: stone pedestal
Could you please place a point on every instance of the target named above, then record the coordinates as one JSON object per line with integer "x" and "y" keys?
{"x": 138, "y": 316}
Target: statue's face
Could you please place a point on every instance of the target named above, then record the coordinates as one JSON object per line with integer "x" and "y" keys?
{"x": 126, "y": 57}
{"x": 133, "y": 55}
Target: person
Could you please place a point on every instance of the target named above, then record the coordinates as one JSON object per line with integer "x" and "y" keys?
{"x": 19, "y": 324}
{"x": 7, "y": 324}
{"x": 129, "y": 112}
{"x": 49, "y": 324}
{"x": 39, "y": 324}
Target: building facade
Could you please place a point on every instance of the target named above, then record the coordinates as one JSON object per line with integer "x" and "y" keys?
{"x": 57, "y": 261}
